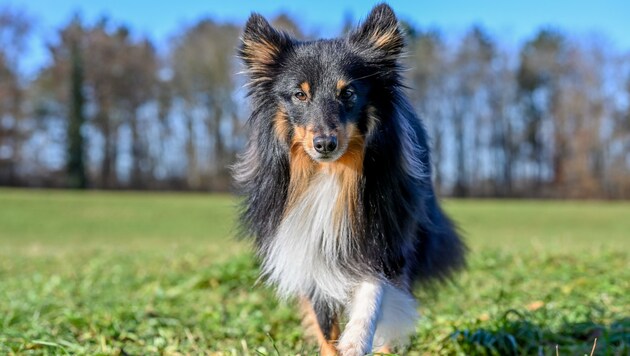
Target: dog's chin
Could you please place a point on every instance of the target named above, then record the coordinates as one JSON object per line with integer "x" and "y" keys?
{"x": 326, "y": 158}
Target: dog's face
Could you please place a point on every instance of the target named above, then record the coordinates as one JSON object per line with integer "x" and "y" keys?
{"x": 324, "y": 90}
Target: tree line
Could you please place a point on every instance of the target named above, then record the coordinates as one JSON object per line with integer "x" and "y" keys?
{"x": 111, "y": 109}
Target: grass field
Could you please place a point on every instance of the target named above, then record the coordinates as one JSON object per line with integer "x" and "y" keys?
{"x": 133, "y": 273}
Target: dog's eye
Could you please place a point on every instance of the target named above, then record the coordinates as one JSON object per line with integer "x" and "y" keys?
{"x": 300, "y": 96}
{"x": 346, "y": 93}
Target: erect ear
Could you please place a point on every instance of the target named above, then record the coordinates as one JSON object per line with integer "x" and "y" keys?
{"x": 379, "y": 36}
{"x": 261, "y": 47}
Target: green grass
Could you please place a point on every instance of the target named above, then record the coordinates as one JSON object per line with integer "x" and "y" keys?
{"x": 134, "y": 273}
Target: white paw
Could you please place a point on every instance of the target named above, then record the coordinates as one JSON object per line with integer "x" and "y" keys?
{"x": 351, "y": 349}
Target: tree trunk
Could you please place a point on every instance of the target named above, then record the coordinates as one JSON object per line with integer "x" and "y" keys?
{"x": 109, "y": 178}
{"x": 193, "y": 178}
{"x": 137, "y": 153}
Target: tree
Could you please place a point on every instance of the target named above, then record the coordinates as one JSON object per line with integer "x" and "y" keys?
{"x": 203, "y": 64}
{"x": 75, "y": 166}
{"x": 15, "y": 27}
{"x": 133, "y": 88}
{"x": 428, "y": 76}
{"x": 542, "y": 61}
{"x": 471, "y": 66}
{"x": 503, "y": 144}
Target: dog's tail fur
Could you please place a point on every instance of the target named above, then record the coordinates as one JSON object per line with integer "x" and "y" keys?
{"x": 441, "y": 251}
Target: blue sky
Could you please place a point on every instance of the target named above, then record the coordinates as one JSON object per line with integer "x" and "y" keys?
{"x": 509, "y": 21}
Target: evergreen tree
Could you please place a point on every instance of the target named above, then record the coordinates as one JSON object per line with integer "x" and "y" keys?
{"x": 77, "y": 177}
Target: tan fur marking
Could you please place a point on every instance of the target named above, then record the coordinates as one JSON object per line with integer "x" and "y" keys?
{"x": 306, "y": 88}
{"x": 310, "y": 323}
{"x": 259, "y": 54}
{"x": 260, "y": 51}
{"x": 327, "y": 349}
{"x": 281, "y": 125}
{"x": 385, "y": 39}
{"x": 382, "y": 39}
{"x": 384, "y": 350}
{"x": 302, "y": 165}
{"x": 341, "y": 84}
{"x": 336, "y": 331}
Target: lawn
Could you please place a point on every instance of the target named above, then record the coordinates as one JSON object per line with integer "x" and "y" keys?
{"x": 145, "y": 273}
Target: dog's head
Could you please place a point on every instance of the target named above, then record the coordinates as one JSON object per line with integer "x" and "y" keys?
{"x": 326, "y": 92}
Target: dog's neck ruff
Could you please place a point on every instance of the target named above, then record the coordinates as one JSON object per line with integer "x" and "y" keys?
{"x": 312, "y": 240}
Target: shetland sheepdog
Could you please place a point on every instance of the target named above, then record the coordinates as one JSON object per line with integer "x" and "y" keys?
{"x": 336, "y": 182}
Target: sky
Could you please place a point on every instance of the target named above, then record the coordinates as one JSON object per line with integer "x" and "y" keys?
{"x": 510, "y": 22}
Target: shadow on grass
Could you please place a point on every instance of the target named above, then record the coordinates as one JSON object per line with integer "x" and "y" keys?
{"x": 515, "y": 335}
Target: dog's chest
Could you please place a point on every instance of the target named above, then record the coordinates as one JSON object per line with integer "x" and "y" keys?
{"x": 303, "y": 257}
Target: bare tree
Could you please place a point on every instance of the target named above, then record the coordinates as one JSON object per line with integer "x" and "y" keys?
{"x": 204, "y": 66}
{"x": 471, "y": 67}
{"x": 503, "y": 144}
{"x": 541, "y": 64}
{"x": 15, "y": 28}
{"x": 428, "y": 76}
{"x": 135, "y": 88}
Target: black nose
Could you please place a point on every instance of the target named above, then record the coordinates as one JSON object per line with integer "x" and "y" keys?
{"x": 325, "y": 144}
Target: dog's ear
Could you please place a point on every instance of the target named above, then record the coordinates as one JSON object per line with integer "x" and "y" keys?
{"x": 261, "y": 47}
{"x": 379, "y": 36}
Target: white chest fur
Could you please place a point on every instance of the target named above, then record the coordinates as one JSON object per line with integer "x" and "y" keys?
{"x": 303, "y": 257}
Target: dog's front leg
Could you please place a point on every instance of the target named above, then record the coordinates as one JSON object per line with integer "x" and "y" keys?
{"x": 364, "y": 308}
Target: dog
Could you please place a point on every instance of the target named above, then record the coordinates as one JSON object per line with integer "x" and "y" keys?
{"x": 336, "y": 182}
